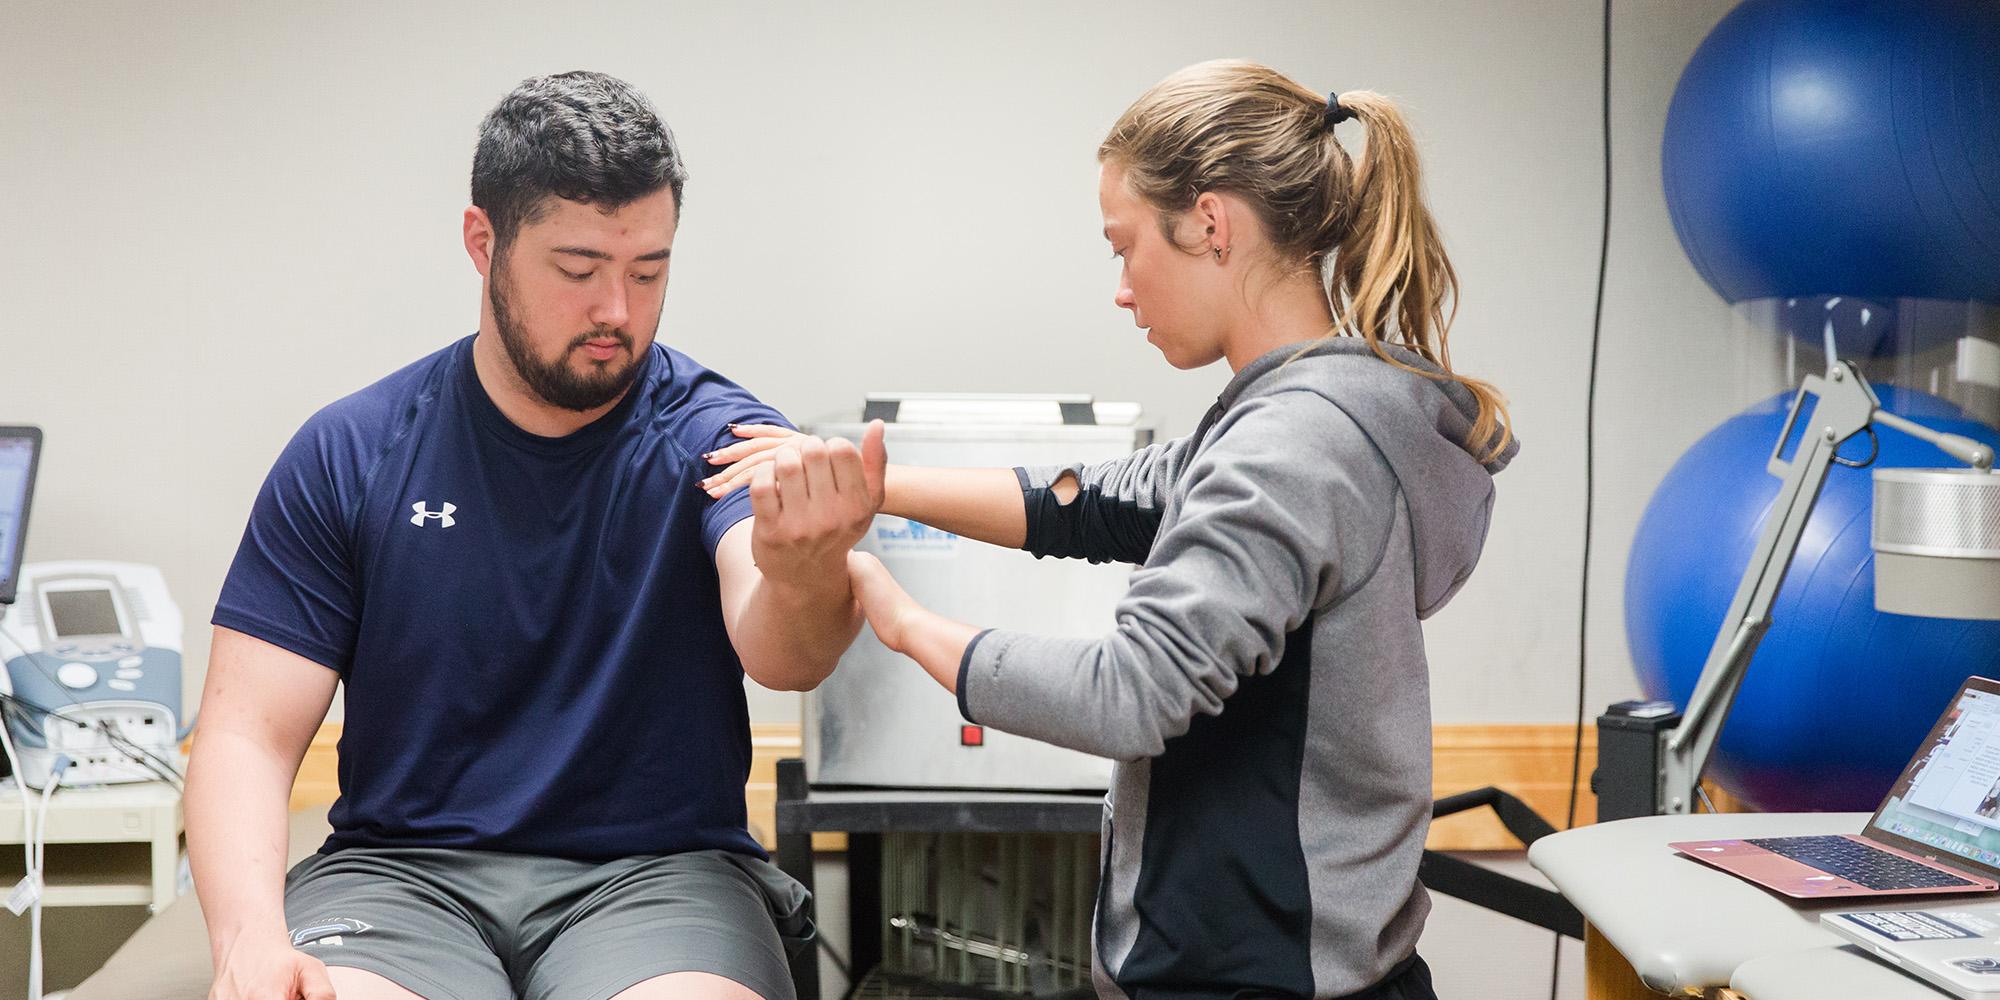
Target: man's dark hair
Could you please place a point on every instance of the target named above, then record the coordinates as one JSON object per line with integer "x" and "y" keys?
{"x": 579, "y": 136}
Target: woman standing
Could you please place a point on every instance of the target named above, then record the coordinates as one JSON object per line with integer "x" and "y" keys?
{"x": 1265, "y": 689}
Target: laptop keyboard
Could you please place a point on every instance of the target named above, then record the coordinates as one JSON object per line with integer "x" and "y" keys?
{"x": 1858, "y": 863}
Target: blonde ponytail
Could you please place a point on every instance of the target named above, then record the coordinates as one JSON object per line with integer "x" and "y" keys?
{"x": 1249, "y": 130}
{"x": 1389, "y": 278}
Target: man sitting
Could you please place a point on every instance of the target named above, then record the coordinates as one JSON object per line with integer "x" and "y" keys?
{"x": 541, "y": 621}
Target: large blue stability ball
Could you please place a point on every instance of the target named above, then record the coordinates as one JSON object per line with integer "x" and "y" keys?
{"x": 1841, "y": 147}
{"x": 1839, "y": 694}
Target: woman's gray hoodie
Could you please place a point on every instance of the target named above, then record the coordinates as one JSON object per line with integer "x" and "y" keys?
{"x": 1265, "y": 690}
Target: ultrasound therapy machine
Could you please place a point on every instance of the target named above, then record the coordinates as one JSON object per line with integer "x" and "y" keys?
{"x": 92, "y": 651}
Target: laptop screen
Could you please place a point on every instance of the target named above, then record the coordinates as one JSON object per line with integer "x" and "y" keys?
{"x": 18, "y": 451}
{"x": 1946, "y": 804}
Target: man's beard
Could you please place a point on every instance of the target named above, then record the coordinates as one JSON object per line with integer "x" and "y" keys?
{"x": 555, "y": 381}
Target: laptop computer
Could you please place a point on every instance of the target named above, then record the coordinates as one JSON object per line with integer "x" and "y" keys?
{"x": 1937, "y": 831}
{"x": 1951, "y": 947}
{"x": 20, "y": 447}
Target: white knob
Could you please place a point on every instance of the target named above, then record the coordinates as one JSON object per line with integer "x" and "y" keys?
{"x": 76, "y": 675}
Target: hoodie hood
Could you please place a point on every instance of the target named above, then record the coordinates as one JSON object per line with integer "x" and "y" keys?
{"x": 1423, "y": 429}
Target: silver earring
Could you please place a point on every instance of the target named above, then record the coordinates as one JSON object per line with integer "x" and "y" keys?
{"x": 1218, "y": 252}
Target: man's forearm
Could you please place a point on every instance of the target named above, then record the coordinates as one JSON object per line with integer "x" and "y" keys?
{"x": 792, "y": 634}
{"x": 237, "y": 793}
{"x": 984, "y": 504}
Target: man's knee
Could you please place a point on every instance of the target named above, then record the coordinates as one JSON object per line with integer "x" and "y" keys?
{"x": 355, "y": 984}
{"x": 684, "y": 986}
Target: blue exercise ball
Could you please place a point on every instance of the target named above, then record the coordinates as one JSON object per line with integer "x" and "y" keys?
{"x": 1841, "y": 147}
{"x": 1838, "y": 694}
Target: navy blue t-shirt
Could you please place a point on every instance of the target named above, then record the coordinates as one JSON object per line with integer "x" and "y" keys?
{"x": 529, "y": 628}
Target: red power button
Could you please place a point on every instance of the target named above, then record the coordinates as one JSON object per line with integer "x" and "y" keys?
{"x": 972, "y": 736}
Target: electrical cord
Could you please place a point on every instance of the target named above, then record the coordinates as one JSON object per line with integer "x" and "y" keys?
{"x": 33, "y": 830}
{"x": 1874, "y": 451}
{"x": 40, "y": 876}
{"x": 1589, "y": 469}
{"x": 21, "y": 712}
{"x": 27, "y": 805}
{"x": 34, "y": 833}
{"x": 154, "y": 764}
{"x": 11, "y": 637}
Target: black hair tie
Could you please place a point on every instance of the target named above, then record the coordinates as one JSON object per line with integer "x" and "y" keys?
{"x": 1335, "y": 114}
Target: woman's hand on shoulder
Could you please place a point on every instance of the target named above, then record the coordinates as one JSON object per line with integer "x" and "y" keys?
{"x": 759, "y": 444}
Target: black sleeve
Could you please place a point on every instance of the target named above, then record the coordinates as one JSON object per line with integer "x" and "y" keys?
{"x": 1093, "y": 526}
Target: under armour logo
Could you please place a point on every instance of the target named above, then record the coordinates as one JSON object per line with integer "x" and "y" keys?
{"x": 445, "y": 519}
{"x": 330, "y": 932}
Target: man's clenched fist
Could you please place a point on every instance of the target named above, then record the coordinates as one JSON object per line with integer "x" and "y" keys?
{"x": 812, "y": 501}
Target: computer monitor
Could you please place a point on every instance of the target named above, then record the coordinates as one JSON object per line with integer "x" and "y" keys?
{"x": 20, "y": 450}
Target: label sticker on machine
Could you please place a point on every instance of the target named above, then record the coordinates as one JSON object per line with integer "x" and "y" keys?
{"x": 1908, "y": 925}
{"x": 1980, "y": 965}
{"x": 903, "y": 537}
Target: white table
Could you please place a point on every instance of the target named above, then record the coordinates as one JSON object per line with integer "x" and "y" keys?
{"x": 84, "y": 868}
{"x": 1686, "y": 928}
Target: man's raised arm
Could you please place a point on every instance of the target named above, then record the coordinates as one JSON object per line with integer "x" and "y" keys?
{"x": 783, "y": 571}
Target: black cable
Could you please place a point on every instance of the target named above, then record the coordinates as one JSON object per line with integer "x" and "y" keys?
{"x": 1589, "y": 473}
{"x": 23, "y": 710}
{"x": 165, "y": 762}
{"x": 152, "y": 762}
{"x": 14, "y": 713}
{"x": 9, "y": 633}
{"x": 137, "y": 755}
{"x": 1874, "y": 451}
{"x": 17, "y": 715}
{"x": 25, "y": 705}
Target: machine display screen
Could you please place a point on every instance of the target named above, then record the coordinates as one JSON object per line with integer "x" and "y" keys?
{"x": 82, "y": 612}
{"x": 1949, "y": 797}
{"x": 16, "y": 459}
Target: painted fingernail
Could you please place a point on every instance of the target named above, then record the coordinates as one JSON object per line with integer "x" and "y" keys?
{"x": 708, "y": 454}
{"x": 734, "y": 426}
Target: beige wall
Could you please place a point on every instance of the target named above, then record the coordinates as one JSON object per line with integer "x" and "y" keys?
{"x": 216, "y": 218}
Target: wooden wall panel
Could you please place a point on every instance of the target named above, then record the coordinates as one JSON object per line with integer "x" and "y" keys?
{"x": 1530, "y": 761}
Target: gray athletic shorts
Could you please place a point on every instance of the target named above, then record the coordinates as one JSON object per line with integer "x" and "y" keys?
{"x": 481, "y": 925}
